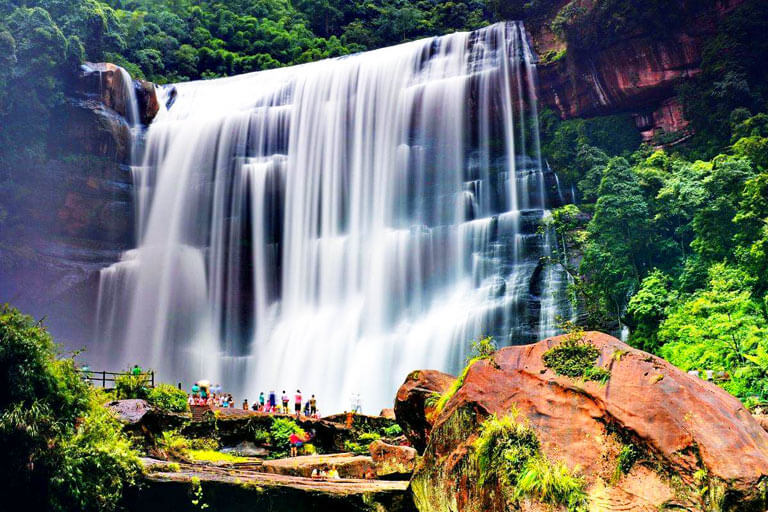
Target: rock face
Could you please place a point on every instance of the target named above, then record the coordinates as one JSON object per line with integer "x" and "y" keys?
{"x": 411, "y": 404}
{"x": 171, "y": 487}
{"x": 392, "y": 461}
{"x": 636, "y": 74}
{"x": 75, "y": 214}
{"x": 699, "y": 449}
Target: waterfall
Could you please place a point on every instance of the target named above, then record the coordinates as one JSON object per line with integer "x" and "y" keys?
{"x": 335, "y": 225}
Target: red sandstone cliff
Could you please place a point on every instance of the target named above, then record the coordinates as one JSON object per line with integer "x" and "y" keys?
{"x": 636, "y": 74}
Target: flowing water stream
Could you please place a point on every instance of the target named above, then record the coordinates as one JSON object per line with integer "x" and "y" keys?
{"x": 335, "y": 225}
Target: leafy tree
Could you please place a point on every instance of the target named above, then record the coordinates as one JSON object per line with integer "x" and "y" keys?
{"x": 62, "y": 449}
{"x": 617, "y": 252}
{"x": 648, "y": 308}
{"x": 721, "y": 328}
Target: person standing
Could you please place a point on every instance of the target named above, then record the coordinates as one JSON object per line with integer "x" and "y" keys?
{"x": 297, "y": 403}
{"x": 261, "y": 401}
{"x": 313, "y": 406}
{"x": 272, "y": 400}
{"x": 296, "y": 443}
{"x": 284, "y": 398}
{"x": 245, "y": 404}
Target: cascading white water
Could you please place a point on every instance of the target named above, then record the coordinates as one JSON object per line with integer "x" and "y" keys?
{"x": 335, "y": 225}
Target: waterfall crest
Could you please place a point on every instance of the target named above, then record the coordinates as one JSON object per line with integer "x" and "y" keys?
{"x": 334, "y": 225}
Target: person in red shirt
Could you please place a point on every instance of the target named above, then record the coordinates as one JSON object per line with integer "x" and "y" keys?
{"x": 297, "y": 407}
{"x": 296, "y": 443}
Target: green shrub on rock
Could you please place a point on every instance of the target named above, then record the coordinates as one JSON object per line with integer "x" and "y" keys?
{"x": 167, "y": 397}
{"x": 62, "y": 450}
{"x": 360, "y": 446}
{"x": 507, "y": 453}
{"x": 130, "y": 386}
{"x": 576, "y": 357}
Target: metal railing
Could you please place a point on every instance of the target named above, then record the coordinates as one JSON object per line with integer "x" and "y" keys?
{"x": 103, "y": 378}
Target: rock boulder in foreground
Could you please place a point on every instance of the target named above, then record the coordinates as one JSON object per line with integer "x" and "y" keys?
{"x": 693, "y": 446}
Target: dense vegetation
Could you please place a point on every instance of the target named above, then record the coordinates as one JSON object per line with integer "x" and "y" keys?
{"x": 61, "y": 449}
{"x": 675, "y": 242}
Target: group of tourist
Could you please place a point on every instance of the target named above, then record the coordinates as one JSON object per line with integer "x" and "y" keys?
{"x": 269, "y": 404}
{"x": 205, "y": 394}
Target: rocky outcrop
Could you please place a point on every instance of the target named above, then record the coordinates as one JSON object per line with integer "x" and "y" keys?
{"x": 413, "y": 408}
{"x": 695, "y": 446}
{"x": 234, "y": 426}
{"x": 75, "y": 212}
{"x": 391, "y": 461}
{"x": 637, "y": 73}
{"x": 145, "y": 421}
{"x": 348, "y": 465}
{"x": 107, "y": 84}
{"x": 175, "y": 486}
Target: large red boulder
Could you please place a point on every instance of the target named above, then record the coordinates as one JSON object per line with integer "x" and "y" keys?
{"x": 697, "y": 447}
{"x": 413, "y": 407}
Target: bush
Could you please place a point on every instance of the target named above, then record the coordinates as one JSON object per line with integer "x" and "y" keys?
{"x": 552, "y": 484}
{"x": 393, "y": 430}
{"x": 280, "y": 433}
{"x": 575, "y": 357}
{"x": 173, "y": 444}
{"x": 363, "y": 442}
{"x": 62, "y": 450}
{"x": 507, "y": 453}
{"x": 131, "y": 386}
{"x": 168, "y": 397}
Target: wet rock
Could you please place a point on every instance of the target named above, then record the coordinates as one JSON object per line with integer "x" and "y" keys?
{"x": 689, "y": 434}
{"x": 146, "y": 97}
{"x": 391, "y": 461}
{"x": 104, "y": 82}
{"x": 411, "y": 405}
{"x": 388, "y": 414}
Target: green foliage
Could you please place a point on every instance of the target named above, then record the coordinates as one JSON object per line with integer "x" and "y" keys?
{"x": 362, "y": 443}
{"x": 173, "y": 444}
{"x": 648, "y": 307}
{"x": 552, "y": 483}
{"x": 626, "y": 458}
{"x": 128, "y": 386}
{"x": 482, "y": 348}
{"x": 168, "y": 397}
{"x": 575, "y": 357}
{"x": 208, "y": 455}
{"x": 507, "y": 453}
{"x": 393, "y": 430}
{"x": 722, "y": 328}
{"x": 455, "y": 386}
{"x": 62, "y": 450}
{"x": 280, "y": 434}
{"x": 594, "y": 25}
{"x": 733, "y": 80}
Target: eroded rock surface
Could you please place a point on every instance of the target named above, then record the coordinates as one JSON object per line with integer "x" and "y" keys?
{"x": 698, "y": 448}
{"x": 392, "y": 461}
{"x": 348, "y": 465}
{"x": 172, "y": 486}
{"x": 412, "y": 404}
